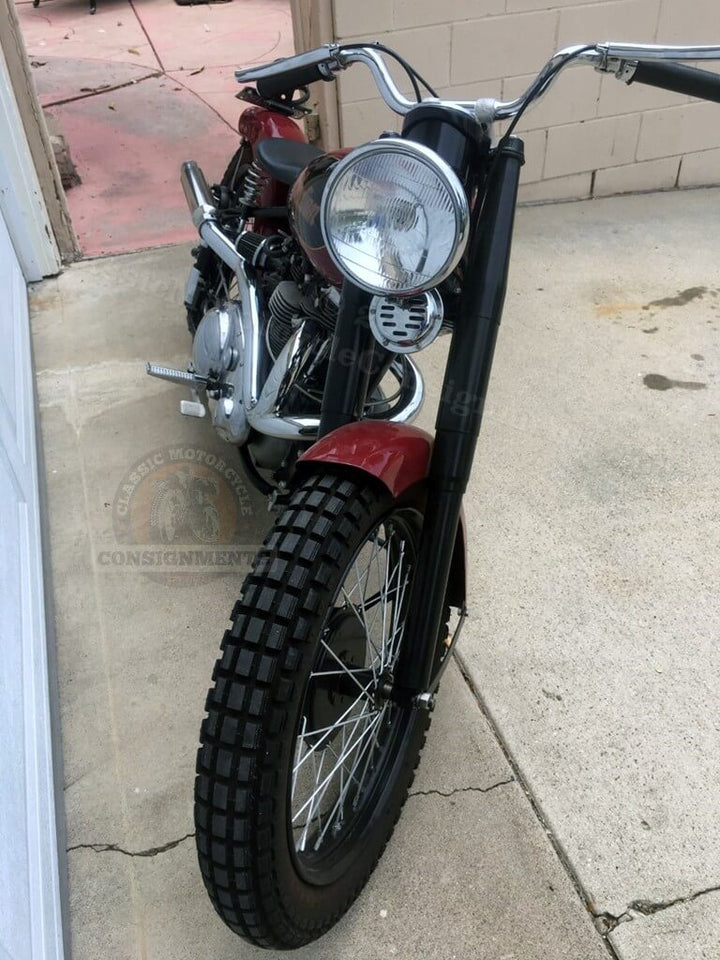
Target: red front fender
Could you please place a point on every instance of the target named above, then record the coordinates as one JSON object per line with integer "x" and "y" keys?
{"x": 399, "y": 457}
{"x": 395, "y": 454}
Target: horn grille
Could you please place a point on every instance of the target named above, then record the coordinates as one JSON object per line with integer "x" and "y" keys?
{"x": 407, "y": 325}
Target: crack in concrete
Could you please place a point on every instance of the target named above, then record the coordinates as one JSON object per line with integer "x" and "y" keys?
{"x": 147, "y": 36}
{"x": 114, "y": 848}
{"x": 103, "y": 89}
{"x": 607, "y": 922}
{"x": 451, "y": 793}
{"x": 532, "y": 800}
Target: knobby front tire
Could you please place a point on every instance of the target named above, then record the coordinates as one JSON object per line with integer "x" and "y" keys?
{"x": 304, "y": 763}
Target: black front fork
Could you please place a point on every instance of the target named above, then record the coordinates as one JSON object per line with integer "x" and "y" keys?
{"x": 459, "y": 416}
{"x": 346, "y": 386}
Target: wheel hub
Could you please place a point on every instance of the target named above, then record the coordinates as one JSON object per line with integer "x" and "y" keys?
{"x": 333, "y": 691}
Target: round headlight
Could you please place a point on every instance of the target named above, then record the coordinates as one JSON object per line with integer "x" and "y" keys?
{"x": 394, "y": 217}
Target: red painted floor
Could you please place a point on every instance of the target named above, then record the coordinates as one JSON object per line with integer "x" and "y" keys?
{"x": 138, "y": 88}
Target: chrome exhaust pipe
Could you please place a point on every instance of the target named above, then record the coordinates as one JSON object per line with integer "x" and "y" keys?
{"x": 204, "y": 214}
{"x": 268, "y": 418}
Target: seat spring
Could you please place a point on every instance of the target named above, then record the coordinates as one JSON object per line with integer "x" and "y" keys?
{"x": 255, "y": 180}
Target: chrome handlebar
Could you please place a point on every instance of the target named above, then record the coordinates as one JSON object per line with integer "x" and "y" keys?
{"x": 609, "y": 57}
{"x": 649, "y": 51}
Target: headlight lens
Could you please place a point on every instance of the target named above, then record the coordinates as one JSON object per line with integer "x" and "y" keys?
{"x": 394, "y": 217}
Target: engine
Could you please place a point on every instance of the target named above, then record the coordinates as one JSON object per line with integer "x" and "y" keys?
{"x": 293, "y": 295}
{"x": 293, "y": 291}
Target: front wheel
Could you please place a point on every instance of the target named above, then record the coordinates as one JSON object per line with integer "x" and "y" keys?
{"x": 305, "y": 762}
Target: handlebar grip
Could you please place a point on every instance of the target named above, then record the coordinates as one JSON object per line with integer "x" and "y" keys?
{"x": 681, "y": 79}
{"x": 288, "y": 80}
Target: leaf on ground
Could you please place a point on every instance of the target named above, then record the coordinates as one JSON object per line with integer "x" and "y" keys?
{"x": 194, "y": 73}
{"x": 134, "y": 51}
{"x": 111, "y": 106}
{"x": 38, "y": 63}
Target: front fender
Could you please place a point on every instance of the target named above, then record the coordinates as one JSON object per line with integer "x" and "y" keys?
{"x": 398, "y": 456}
{"x": 395, "y": 454}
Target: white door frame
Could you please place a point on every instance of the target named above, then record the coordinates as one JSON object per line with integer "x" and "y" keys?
{"x": 31, "y": 919}
{"x": 21, "y": 200}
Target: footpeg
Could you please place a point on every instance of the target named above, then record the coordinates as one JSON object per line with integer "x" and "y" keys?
{"x": 175, "y": 376}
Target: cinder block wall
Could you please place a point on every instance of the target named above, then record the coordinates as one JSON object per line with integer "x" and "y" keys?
{"x": 591, "y": 135}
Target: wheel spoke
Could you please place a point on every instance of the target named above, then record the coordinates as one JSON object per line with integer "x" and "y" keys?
{"x": 365, "y": 570}
{"x": 384, "y": 602}
{"x": 330, "y": 789}
{"x": 367, "y": 748}
{"x": 337, "y": 673}
{"x": 322, "y": 785}
{"x": 363, "y": 624}
{"x": 317, "y": 772}
{"x": 367, "y": 761}
{"x": 298, "y": 749}
{"x": 345, "y": 668}
{"x": 337, "y": 724}
{"x": 321, "y": 788}
{"x": 334, "y": 726}
{"x": 398, "y": 627}
{"x": 363, "y": 619}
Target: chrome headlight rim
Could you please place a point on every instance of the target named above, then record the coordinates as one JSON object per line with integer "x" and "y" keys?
{"x": 450, "y": 181}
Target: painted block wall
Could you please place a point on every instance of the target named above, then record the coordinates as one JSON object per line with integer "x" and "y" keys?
{"x": 592, "y": 135}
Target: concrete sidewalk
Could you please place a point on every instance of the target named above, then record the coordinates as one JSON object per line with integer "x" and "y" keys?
{"x": 582, "y": 818}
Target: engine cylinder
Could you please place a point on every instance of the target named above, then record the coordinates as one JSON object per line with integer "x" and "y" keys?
{"x": 283, "y": 306}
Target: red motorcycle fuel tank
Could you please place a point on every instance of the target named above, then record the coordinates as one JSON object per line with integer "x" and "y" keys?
{"x": 305, "y": 197}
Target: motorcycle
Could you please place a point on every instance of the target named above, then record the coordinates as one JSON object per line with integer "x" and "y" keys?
{"x": 317, "y": 277}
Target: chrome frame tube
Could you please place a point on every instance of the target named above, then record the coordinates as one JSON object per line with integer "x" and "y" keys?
{"x": 252, "y": 339}
{"x": 267, "y": 417}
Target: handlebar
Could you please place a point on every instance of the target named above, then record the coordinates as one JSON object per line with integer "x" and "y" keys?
{"x": 680, "y": 79}
{"x": 631, "y": 62}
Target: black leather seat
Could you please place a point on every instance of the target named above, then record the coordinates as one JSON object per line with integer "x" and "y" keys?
{"x": 285, "y": 159}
